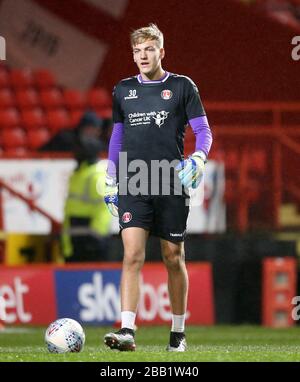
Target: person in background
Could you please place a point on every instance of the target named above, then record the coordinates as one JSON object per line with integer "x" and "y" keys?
{"x": 65, "y": 139}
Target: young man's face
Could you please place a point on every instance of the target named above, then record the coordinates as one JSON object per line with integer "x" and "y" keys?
{"x": 148, "y": 56}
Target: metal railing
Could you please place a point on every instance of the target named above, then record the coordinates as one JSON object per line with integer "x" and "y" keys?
{"x": 279, "y": 133}
{"x": 55, "y": 225}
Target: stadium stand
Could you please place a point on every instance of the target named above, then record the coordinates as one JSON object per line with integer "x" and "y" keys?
{"x": 27, "y": 98}
{"x": 21, "y": 78}
{"x": 14, "y": 138}
{"x": 74, "y": 99}
{"x": 75, "y": 116}
{"x": 98, "y": 99}
{"x": 34, "y": 107}
{"x": 51, "y": 98}
{"x": 33, "y": 118}
{"x": 7, "y": 98}
{"x": 32, "y": 99}
{"x": 36, "y": 138}
{"x": 57, "y": 119}
{"x": 44, "y": 79}
{"x": 4, "y": 77}
{"x": 9, "y": 117}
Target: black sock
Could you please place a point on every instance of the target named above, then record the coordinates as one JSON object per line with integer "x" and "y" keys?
{"x": 127, "y": 331}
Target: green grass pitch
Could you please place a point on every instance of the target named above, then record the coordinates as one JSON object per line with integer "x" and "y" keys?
{"x": 216, "y": 343}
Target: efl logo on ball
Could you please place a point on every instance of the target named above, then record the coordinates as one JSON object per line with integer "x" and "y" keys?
{"x": 126, "y": 217}
{"x": 166, "y": 94}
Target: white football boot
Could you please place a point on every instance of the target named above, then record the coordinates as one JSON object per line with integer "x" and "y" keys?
{"x": 122, "y": 340}
{"x": 177, "y": 342}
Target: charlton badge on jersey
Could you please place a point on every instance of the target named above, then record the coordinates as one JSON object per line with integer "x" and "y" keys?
{"x": 166, "y": 94}
{"x": 126, "y": 217}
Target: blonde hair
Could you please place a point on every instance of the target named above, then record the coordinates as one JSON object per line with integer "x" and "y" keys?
{"x": 151, "y": 32}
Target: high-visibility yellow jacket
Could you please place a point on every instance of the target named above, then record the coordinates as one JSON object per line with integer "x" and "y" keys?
{"x": 85, "y": 200}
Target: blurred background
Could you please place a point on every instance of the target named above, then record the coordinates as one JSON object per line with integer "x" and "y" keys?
{"x": 62, "y": 59}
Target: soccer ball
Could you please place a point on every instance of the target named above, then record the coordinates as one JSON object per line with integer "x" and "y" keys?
{"x": 64, "y": 336}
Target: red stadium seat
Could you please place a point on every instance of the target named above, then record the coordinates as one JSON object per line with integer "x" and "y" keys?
{"x": 13, "y": 138}
{"x": 33, "y": 119}
{"x": 58, "y": 119}
{"x": 99, "y": 98}
{"x": 9, "y": 118}
{"x": 51, "y": 98}
{"x": 44, "y": 79}
{"x": 74, "y": 99}
{"x": 7, "y": 98}
{"x": 27, "y": 98}
{"x": 75, "y": 116}
{"x": 21, "y": 78}
{"x": 37, "y": 138}
{"x": 16, "y": 152}
{"x": 4, "y": 78}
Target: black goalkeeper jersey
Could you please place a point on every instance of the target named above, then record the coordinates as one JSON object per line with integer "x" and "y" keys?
{"x": 154, "y": 115}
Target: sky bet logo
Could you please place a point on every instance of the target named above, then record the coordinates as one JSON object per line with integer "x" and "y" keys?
{"x": 2, "y": 48}
{"x": 88, "y": 296}
{"x": 296, "y": 49}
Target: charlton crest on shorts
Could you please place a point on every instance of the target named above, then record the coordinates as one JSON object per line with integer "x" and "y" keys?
{"x": 166, "y": 94}
{"x": 126, "y": 217}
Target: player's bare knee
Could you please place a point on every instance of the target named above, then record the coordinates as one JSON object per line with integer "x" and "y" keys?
{"x": 173, "y": 259}
{"x": 134, "y": 259}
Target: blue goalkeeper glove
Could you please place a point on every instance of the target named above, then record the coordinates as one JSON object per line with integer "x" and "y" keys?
{"x": 111, "y": 195}
{"x": 190, "y": 170}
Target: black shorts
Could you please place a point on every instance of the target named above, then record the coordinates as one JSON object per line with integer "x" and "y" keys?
{"x": 163, "y": 216}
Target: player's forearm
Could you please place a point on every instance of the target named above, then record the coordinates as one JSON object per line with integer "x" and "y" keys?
{"x": 115, "y": 146}
{"x": 202, "y": 133}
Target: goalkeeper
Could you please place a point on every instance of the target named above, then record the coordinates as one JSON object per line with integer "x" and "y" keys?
{"x": 150, "y": 112}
